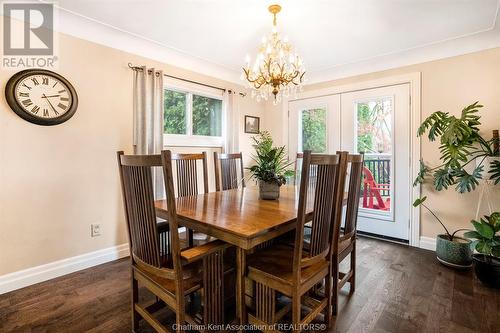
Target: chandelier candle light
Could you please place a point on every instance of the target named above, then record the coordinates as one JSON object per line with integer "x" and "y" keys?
{"x": 277, "y": 70}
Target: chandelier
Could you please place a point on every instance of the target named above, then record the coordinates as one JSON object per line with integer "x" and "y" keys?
{"x": 277, "y": 70}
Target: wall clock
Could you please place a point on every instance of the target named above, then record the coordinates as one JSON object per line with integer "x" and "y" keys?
{"x": 41, "y": 97}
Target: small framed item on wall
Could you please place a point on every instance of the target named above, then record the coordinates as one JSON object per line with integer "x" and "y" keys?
{"x": 252, "y": 125}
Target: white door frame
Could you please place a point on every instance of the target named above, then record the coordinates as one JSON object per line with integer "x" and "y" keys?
{"x": 414, "y": 79}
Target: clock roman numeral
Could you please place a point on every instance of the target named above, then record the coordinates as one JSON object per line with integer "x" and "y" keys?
{"x": 55, "y": 84}
{"x": 61, "y": 91}
{"x": 22, "y": 94}
{"x": 45, "y": 112}
{"x": 35, "y": 109}
{"x": 64, "y": 99}
{"x": 45, "y": 80}
{"x": 27, "y": 102}
{"x": 62, "y": 106}
{"x": 35, "y": 81}
{"x": 28, "y": 87}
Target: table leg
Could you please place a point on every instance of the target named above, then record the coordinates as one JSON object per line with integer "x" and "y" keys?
{"x": 240, "y": 285}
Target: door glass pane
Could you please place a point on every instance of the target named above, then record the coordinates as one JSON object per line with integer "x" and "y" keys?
{"x": 207, "y": 116}
{"x": 313, "y": 123}
{"x": 174, "y": 109}
{"x": 374, "y": 138}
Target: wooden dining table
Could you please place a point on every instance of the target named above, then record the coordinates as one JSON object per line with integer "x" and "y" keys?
{"x": 240, "y": 218}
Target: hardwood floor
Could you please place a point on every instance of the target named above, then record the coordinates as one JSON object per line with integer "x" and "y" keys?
{"x": 399, "y": 289}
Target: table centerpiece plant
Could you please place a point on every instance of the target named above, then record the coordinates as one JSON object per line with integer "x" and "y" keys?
{"x": 271, "y": 168}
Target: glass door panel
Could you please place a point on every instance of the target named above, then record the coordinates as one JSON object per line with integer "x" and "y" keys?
{"x": 374, "y": 118}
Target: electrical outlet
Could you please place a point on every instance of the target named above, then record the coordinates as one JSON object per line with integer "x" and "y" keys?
{"x": 95, "y": 230}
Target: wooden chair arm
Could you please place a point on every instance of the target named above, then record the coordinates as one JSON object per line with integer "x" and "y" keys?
{"x": 198, "y": 252}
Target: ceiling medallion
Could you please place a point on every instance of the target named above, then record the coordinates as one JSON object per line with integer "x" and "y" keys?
{"x": 277, "y": 69}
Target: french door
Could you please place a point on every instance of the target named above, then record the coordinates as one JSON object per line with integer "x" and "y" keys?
{"x": 375, "y": 122}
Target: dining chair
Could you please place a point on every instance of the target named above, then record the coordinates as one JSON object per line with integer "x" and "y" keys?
{"x": 294, "y": 271}
{"x": 169, "y": 276}
{"x": 226, "y": 171}
{"x": 347, "y": 241}
{"x": 186, "y": 167}
{"x": 297, "y": 166}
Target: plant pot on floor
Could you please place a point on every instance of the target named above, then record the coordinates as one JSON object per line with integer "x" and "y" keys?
{"x": 456, "y": 253}
{"x": 269, "y": 191}
{"x": 487, "y": 269}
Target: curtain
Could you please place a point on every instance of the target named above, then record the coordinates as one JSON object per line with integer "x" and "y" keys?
{"x": 231, "y": 142}
{"x": 148, "y": 118}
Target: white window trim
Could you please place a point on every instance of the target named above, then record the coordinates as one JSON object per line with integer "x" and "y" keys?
{"x": 188, "y": 139}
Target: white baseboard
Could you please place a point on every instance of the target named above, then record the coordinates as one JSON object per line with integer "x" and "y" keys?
{"x": 33, "y": 275}
{"x": 428, "y": 243}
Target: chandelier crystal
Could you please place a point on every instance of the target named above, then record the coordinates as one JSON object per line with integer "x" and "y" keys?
{"x": 277, "y": 69}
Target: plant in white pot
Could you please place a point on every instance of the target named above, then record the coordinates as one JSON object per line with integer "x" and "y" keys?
{"x": 271, "y": 166}
{"x": 464, "y": 156}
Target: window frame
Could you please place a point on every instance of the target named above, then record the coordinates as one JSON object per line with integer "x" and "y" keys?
{"x": 189, "y": 139}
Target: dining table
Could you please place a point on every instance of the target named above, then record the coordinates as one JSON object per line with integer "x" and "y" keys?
{"x": 238, "y": 217}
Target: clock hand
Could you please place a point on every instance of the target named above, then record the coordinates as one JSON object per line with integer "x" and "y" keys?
{"x": 43, "y": 96}
{"x": 52, "y": 106}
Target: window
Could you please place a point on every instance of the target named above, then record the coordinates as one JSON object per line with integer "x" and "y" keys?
{"x": 207, "y": 116}
{"x": 313, "y": 125}
{"x": 192, "y": 118}
{"x": 174, "y": 112}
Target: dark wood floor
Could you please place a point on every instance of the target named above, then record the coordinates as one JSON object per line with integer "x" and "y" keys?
{"x": 399, "y": 289}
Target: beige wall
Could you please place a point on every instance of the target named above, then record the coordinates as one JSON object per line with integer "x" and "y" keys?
{"x": 447, "y": 85}
{"x": 56, "y": 181}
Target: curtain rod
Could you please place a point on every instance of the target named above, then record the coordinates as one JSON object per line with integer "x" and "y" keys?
{"x": 137, "y": 68}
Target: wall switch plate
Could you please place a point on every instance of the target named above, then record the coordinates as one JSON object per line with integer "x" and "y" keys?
{"x": 95, "y": 230}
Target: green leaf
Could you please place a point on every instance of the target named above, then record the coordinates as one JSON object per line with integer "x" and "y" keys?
{"x": 494, "y": 220}
{"x": 442, "y": 179}
{"x": 421, "y": 174}
{"x": 484, "y": 229}
{"x": 473, "y": 244}
{"x": 483, "y": 247}
{"x": 495, "y": 171}
{"x": 467, "y": 182}
{"x": 495, "y": 251}
{"x": 419, "y": 201}
{"x": 472, "y": 234}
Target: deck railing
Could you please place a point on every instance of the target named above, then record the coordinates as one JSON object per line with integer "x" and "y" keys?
{"x": 380, "y": 167}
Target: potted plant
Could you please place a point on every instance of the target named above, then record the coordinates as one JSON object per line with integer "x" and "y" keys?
{"x": 451, "y": 250}
{"x": 271, "y": 166}
{"x": 487, "y": 243}
{"x": 461, "y": 144}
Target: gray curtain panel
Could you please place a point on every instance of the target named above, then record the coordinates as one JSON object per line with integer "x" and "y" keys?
{"x": 148, "y": 118}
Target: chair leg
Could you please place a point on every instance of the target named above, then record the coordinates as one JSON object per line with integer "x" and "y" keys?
{"x": 179, "y": 315}
{"x": 352, "y": 280}
{"x": 135, "y": 299}
{"x": 296, "y": 305}
{"x": 328, "y": 294}
{"x": 190, "y": 238}
{"x": 335, "y": 287}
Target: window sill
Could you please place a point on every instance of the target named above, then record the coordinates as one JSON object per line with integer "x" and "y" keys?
{"x": 192, "y": 140}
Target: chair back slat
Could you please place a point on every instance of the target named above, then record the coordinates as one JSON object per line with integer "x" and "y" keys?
{"x": 137, "y": 188}
{"x": 323, "y": 198}
{"x": 187, "y": 173}
{"x": 355, "y": 165}
{"x": 226, "y": 171}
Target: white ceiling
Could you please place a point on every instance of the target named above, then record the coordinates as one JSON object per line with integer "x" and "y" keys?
{"x": 329, "y": 35}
